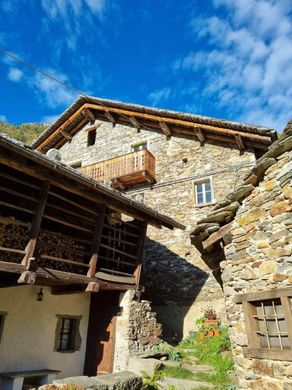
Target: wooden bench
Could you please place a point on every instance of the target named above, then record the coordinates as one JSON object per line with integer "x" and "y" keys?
{"x": 14, "y": 380}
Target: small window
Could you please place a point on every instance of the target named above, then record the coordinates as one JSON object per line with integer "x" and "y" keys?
{"x": 67, "y": 334}
{"x": 203, "y": 192}
{"x": 139, "y": 146}
{"x": 91, "y": 137}
{"x": 268, "y": 318}
{"x": 2, "y": 319}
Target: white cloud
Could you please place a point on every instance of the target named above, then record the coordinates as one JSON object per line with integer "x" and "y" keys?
{"x": 159, "y": 95}
{"x": 14, "y": 74}
{"x": 49, "y": 118}
{"x": 3, "y": 118}
{"x": 246, "y": 69}
{"x": 50, "y": 92}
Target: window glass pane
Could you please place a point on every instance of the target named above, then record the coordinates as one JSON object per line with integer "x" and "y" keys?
{"x": 199, "y": 188}
{"x": 200, "y": 198}
{"x": 208, "y": 197}
{"x": 208, "y": 186}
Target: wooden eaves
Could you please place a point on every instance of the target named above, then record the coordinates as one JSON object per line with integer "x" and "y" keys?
{"x": 171, "y": 123}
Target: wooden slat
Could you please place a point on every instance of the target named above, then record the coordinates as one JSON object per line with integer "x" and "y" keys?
{"x": 11, "y": 267}
{"x": 115, "y": 278}
{"x": 118, "y": 251}
{"x": 200, "y": 135}
{"x": 127, "y": 233}
{"x": 12, "y": 206}
{"x": 286, "y": 304}
{"x": 18, "y": 180}
{"x": 115, "y": 272}
{"x": 140, "y": 252}
{"x": 72, "y": 202}
{"x": 117, "y": 261}
{"x": 66, "y": 211}
{"x": 71, "y": 225}
{"x": 121, "y": 241}
{"x": 262, "y": 295}
{"x": 18, "y": 193}
{"x": 216, "y": 236}
{"x": 265, "y": 353}
{"x": 59, "y": 259}
{"x": 12, "y": 250}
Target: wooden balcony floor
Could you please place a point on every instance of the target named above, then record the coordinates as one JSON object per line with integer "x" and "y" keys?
{"x": 132, "y": 179}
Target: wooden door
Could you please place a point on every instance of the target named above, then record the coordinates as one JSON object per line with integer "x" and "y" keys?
{"x": 100, "y": 348}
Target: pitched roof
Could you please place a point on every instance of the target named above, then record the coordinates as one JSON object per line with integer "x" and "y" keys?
{"x": 86, "y": 108}
{"x": 211, "y": 229}
{"x": 83, "y": 182}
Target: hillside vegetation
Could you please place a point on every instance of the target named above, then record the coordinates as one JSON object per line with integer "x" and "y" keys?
{"x": 26, "y": 133}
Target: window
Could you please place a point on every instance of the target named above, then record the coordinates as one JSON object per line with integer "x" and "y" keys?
{"x": 2, "y": 319}
{"x": 91, "y": 137}
{"x": 139, "y": 146}
{"x": 203, "y": 192}
{"x": 268, "y": 318}
{"x": 67, "y": 334}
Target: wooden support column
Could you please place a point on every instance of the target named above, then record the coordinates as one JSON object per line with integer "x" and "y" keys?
{"x": 199, "y": 133}
{"x": 67, "y": 135}
{"x": 135, "y": 123}
{"x": 166, "y": 129}
{"x": 28, "y": 276}
{"x": 93, "y": 287}
{"x": 109, "y": 116}
{"x": 88, "y": 114}
{"x": 140, "y": 252}
{"x": 240, "y": 143}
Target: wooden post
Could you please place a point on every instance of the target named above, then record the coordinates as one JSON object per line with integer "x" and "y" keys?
{"x": 27, "y": 276}
{"x": 140, "y": 252}
{"x": 92, "y": 287}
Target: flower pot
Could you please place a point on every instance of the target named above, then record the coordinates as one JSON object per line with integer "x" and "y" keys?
{"x": 210, "y": 332}
{"x": 216, "y": 332}
{"x": 201, "y": 336}
{"x": 212, "y": 323}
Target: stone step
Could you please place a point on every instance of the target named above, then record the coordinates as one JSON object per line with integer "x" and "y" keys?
{"x": 185, "y": 384}
{"x": 198, "y": 368}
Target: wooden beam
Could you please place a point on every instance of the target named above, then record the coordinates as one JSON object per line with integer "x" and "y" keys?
{"x": 140, "y": 253}
{"x": 67, "y": 135}
{"x": 88, "y": 114}
{"x": 135, "y": 123}
{"x": 262, "y": 295}
{"x": 93, "y": 127}
{"x": 200, "y": 135}
{"x": 166, "y": 129}
{"x": 95, "y": 246}
{"x": 73, "y": 131}
{"x": 180, "y": 122}
{"x": 33, "y": 234}
{"x": 216, "y": 236}
{"x": 240, "y": 143}
{"x": 109, "y": 116}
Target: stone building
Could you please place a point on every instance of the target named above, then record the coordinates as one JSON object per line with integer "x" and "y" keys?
{"x": 180, "y": 164}
{"x": 252, "y": 251}
{"x": 62, "y": 312}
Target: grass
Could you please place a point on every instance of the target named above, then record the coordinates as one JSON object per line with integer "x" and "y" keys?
{"x": 177, "y": 372}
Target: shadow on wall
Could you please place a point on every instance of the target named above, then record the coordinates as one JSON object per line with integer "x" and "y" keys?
{"x": 172, "y": 285}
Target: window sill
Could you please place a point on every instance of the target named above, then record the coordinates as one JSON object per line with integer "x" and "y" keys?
{"x": 263, "y": 353}
{"x": 199, "y": 206}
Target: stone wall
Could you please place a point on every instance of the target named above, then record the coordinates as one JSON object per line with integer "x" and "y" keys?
{"x": 177, "y": 281}
{"x": 259, "y": 259}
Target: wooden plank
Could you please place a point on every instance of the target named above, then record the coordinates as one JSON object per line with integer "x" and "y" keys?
{"x": 118, "y": 251}
{"x": 81, "y": 207}
{"x": 115, "y": 272}
{"x": 67, "y": 261}
{"x": 166, "y": 129}
{"x": 117, "y": 261}
{"x": 11, "y": 250}
{"x": 115, "y": 278}
{"x": 262, "y": 295}
{"x": 18, "y": 180}
{"x": 240, "y": 143}
{"x": 66, "y": 211}
{"x": 135, "y": 123}
{"x": 88, "y": 114}
{"x": 12, "y": 206}
{"x": 140, "y": 252}
{"x": 250, "y": 324}
{"x": 200, "y": 135}
{"x": 109, "y": 116}
{"x": 18, "y": 193}
{"x": 127, "y": 233}
{"x": 216, "y": 236}
{"x": 286, "y": 304}
{"x": 265, "y": 353}
{"x": 130, "y": 243}
{"x": 153, "y": 117}
{"x": 36, "y": 224}
{"x": 11, "y": 267}
{"x": 92, "y": 128}
{"x": 71, "y": 225}
{"x": 67, "y": 135}
{"x": 62, "y": 276}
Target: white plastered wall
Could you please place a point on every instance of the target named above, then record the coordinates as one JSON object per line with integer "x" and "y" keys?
{"x": 28, "y": 336}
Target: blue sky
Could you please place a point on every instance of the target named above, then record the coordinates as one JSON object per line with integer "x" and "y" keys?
{"x": 223, "y": 58}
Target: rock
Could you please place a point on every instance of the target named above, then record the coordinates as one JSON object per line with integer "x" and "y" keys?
{"x": 280, "y": 208}
{"x": 204, "y": 226}
{"x": 267, "y": 267}
{"x": 252, "y": 215}
{"x": 218, "y": 216}
{"x": 184, "y": 384}
{"x": 138, "y": 365}
{"x": 240, "y": 193}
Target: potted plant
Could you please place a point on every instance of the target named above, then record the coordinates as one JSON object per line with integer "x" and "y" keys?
{"x": 211, "y": 319}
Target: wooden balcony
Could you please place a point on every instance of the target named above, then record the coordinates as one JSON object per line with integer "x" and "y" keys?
{"x": 124, "y": 171}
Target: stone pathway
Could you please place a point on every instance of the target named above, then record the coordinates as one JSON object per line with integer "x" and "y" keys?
{"x": 185, "y": 384}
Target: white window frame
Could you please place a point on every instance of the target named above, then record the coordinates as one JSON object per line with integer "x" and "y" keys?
{"x": 137, "y": 144}
{"x": 203, "y": 181}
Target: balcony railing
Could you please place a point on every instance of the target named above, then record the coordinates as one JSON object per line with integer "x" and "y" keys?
{"x": 124, "y": 171}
